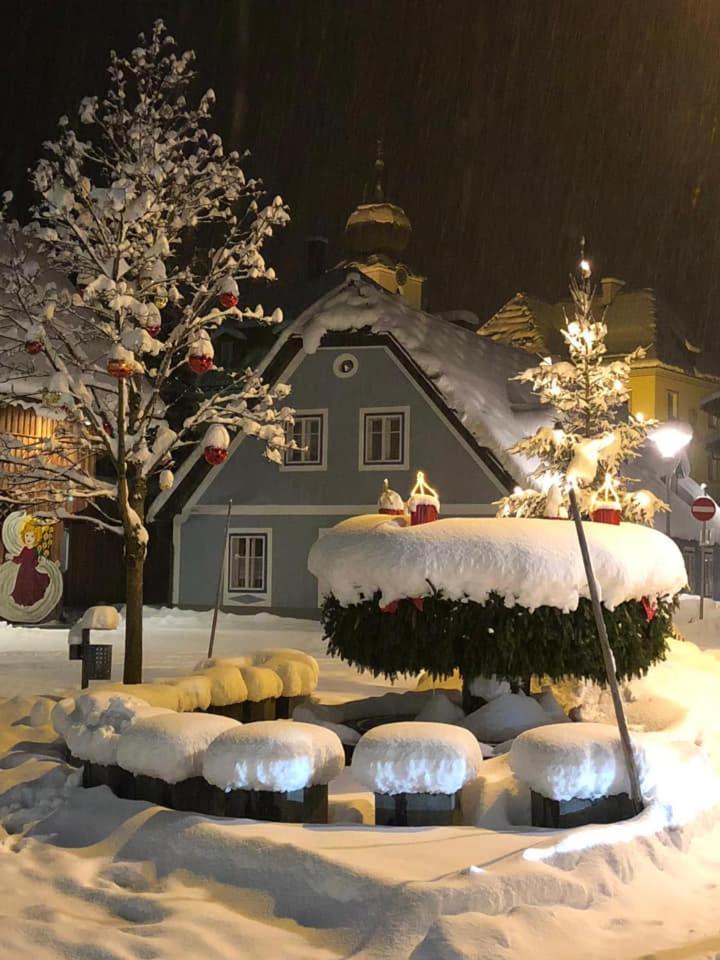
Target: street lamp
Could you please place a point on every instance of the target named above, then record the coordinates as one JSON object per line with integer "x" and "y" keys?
{"x": 670, "y": 440}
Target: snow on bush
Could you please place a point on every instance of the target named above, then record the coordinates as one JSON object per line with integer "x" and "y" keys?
{"x": 98, "y": 720}
{"x": 416, "y": 757}
{"x": 441, "y": 709}
{"x": 226, "y": 686}
{"x": 276, "y": 755}
{"x": 505, "y": 717}
{"x": 298, "y": 671}
{"x": 488, "y": 688}
{"x": 528, "y": 562}
{"x": 261, "y": 683}
{"x": 172, "y": 746}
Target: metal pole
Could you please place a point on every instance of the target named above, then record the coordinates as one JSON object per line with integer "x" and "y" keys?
{"x": 667, "y": 500}
{"x": 703, "y": 585}
{"x": 635, "y": 792}
{"x": 221, "y": 577}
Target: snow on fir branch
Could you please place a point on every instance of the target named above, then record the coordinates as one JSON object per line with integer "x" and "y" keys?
{"x": 594, "y": 434}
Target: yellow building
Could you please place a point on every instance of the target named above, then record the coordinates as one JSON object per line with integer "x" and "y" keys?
{"x": 670, "y": 383}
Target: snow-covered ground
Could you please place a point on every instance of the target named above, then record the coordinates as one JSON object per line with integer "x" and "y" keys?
{"x": 90, "y": 877}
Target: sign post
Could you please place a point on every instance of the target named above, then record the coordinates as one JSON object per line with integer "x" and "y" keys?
{"x": 703, "y": 509}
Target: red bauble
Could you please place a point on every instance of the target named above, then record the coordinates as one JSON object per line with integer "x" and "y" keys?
{"x": 606, "y": 515}
{"x": 154, "y": 330}
{"x": 228, "y": 300}
{"x": 33, "y": 346}
{"x": 215, "y": 455}
{"x": 200, "y": 364}
{"x": 107, "y": 428}
{"x": 119, "y": 369}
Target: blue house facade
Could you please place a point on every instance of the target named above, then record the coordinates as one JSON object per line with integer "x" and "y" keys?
{"x": 381, "y": 390}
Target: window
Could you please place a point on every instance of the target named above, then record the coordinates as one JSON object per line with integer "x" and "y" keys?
{"x": 247, "y": 563}
{"x": 310, "y": 434}
{"x": 345, "y": 366}
{"x": 384, "y": 438}
{"x": 713, "y": 423}
{"x": 714, "y": 467}
{"x": 672, "y": 404}
{"x": 689, "y": 558}
{"x": 709, "y": 567}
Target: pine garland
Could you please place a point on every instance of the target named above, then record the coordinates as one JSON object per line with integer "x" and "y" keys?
{"x": 486, "y": 639}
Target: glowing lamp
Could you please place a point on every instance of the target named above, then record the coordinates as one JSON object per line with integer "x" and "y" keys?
{"x": 605, "y": 504}
{"x": 670, "y": 439}
{"x": 424, "y": 503}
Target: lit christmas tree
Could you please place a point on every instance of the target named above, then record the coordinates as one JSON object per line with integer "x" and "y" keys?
{"x": 593, "y": 436}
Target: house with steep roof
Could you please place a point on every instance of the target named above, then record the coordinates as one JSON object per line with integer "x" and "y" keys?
{"x": 381, "y": 389}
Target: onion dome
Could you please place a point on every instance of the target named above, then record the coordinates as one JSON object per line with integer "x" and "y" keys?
{"x": 378, "y": 228}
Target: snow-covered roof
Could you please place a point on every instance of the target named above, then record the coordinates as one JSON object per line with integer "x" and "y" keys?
{"x": 531, "y": 562}
{"x": 472, "y": 374}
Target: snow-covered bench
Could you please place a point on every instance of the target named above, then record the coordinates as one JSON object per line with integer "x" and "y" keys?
{"x": 275, "y": 682}
{"x": 275, "y": 770}
{"x": 165, "y": 754}
{"x": 92, "y": 726}
{"x": 416, "y": 771}
{"x": 576, "y": 773}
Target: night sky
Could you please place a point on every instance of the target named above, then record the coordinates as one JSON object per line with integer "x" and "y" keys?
{"x": 510, "y": 126}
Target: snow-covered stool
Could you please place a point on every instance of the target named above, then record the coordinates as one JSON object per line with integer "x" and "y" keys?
{"x": 416, "y": 771}
{"x": 92, "y": 726}
{"x": 228, "y": 691}
{"x": 298, "y": 673}
{"x": 264, "y": 687}
{"x": 576, "y": 774}
{"x": 165, "y": 754}
{"x": 275, "y": 770}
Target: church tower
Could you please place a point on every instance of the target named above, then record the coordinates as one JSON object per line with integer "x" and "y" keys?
{"x": 376, "y": 236}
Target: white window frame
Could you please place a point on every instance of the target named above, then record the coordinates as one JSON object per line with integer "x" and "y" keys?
{"x": 261, "y": 597}
{"x": 689, "y": 559}
{"x": 404, "y": 463}
{"x": 672, "y": 397}
{"x": 322, "y": 414}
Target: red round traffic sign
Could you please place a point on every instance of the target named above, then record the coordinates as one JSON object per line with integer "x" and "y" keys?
{"x": 703, "y": 508}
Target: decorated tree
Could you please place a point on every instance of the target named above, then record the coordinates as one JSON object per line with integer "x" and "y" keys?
{"x": 140, "y": 204}
{"x": 593, "y": 436}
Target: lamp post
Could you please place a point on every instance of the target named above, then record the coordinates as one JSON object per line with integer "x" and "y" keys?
{"x": 670, "y": 441}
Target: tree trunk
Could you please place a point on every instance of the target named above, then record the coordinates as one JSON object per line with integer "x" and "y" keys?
{"x": 135, "y": 553}
{"x": 134, "y": 567}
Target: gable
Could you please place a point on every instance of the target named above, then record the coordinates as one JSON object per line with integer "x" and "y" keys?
{"x": 464, "y": 472}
